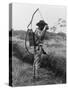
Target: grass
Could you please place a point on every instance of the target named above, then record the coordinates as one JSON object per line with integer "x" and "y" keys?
{"x": 53, "y": 65}
{"x": 51, "y": 62}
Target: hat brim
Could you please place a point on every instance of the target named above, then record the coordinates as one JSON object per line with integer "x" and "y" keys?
{"x": 41, "y": 23}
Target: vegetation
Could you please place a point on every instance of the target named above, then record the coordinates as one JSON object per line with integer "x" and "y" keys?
{"x": 56, "y": 64}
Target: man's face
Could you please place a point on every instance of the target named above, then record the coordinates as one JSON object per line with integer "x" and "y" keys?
{"x": 41, "y": 27}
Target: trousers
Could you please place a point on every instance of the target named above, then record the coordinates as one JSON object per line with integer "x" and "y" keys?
{"x": 36, "y": 64}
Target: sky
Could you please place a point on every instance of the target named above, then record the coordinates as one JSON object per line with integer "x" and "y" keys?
{"x": 22, "y": 13}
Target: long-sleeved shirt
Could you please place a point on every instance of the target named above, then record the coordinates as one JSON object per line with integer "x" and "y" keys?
{"x": 39, "y": 35}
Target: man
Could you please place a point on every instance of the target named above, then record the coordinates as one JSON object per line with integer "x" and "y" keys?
{"x": 39, "y": 39}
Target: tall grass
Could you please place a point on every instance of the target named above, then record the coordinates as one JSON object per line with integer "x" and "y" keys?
{"x": 55, "y": 63}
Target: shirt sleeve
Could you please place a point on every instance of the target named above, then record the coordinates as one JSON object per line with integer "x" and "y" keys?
{"x": 38, "y": 32}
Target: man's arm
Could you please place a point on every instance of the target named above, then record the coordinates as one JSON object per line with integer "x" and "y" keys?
{"x": 43, "y": 33}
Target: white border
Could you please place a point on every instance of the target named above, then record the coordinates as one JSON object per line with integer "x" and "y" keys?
{"x": 4, "y": 27}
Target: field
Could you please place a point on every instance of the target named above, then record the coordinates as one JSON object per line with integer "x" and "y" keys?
{"x": 53, "y": 65}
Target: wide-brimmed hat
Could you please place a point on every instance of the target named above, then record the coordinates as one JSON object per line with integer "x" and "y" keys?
{"x": 41, "y": 23}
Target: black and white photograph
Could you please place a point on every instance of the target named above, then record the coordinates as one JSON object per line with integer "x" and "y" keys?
{"x": 37, "y": 44}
